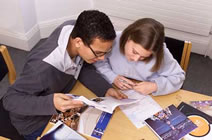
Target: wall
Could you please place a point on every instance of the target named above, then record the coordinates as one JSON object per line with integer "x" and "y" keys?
{"x": 25, "y": 22}
{"x": 58, "y": 11}
{"x": 13, "y": 30}
{"x": 187, "y": 20}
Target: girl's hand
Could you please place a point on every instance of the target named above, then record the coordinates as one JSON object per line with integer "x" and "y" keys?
{"x": 123, "y": 83}
{"x": 145, "y": 87}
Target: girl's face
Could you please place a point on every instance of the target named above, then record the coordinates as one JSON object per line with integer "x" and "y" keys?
{"x": 136, "y": 52}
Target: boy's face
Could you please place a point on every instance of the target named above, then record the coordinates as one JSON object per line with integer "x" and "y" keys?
{"x": 95, "y": 51}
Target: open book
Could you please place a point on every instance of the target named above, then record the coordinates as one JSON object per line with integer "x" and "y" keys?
{"x": 106, "y": 104}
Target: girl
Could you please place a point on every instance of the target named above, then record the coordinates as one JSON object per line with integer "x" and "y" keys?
{"x": 140, "y": 53}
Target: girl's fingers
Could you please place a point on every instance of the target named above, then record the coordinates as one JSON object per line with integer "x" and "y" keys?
{"x": 129, "y": 82}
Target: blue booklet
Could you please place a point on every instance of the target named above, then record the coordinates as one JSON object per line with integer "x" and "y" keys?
{"x": 170, "y": 124}
{"x": 93, "y": 122}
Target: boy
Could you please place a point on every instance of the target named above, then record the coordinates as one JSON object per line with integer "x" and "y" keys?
{"x": 53, "y": 68}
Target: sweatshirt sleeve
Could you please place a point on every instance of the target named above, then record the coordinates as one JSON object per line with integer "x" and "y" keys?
{"x": 105, "y": 69}
{"x": 170, "y": 76}
{"x": 104, "y": 66}
{"x": 93, "y": 80}
{"x": 28, "y": 97}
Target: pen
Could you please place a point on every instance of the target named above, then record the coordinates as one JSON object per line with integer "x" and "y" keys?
{"x": 121, "y": 80}
{"x": 124, "y": 81}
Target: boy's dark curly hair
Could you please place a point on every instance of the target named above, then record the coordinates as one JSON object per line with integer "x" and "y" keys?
{"x": 93, "y": 24}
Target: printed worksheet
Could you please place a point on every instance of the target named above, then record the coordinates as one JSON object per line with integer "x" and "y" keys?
{"x": 141, "y": 110}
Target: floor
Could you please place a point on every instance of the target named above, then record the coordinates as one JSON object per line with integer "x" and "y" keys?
{"x": 199, "y": 75}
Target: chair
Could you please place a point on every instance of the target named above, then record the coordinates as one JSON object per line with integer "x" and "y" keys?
{"x": 6, "y": 65}
{"x": 180, "y": 50}
{"x": 7, "y": 130}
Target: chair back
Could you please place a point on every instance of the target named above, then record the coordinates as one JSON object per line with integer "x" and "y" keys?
{"x": 7, "y": 65}
{"x": 180, "y": 50}
{"x": 7, "y": 130}
{"x": 4, "y": 69}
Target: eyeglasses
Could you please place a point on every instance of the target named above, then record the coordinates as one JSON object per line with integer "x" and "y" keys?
{"x": 101, "y": 54}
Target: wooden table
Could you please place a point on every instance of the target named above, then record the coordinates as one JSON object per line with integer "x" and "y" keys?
{"x": 121, "y": 128}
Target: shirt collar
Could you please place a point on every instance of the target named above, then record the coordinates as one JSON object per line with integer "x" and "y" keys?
{"x": 59, "y": 57}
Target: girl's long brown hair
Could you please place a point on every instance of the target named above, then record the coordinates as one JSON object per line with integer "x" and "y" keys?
{"x": 149, "y": 33}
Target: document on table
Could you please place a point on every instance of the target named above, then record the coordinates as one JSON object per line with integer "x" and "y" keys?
{"x": 141, "y": 110}
{"x": 60, "y": 131}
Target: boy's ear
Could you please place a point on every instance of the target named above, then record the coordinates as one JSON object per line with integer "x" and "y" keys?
{"x": 78, "y": 42}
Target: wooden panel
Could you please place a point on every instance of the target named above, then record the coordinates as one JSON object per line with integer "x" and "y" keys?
{"x": 188, "y": 16}
{"x": 187, "y": 57}
{"x": 184, "y": 54}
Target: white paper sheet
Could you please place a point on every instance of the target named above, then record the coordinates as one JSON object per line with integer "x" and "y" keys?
{"x": 141, "y": 110}
{"x": 62, "y": 132}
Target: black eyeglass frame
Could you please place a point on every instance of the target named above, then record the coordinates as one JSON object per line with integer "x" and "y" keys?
{"x": 103, "y": 53}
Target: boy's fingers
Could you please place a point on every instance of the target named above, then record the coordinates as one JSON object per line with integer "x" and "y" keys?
{"x": 122, "y": 95}
{"x": 65, "y": 97}
{"x": 71, "y": 102}
{"x": 117, "y": 96}
{"x": 77, "y": 102}
{"x": 74, "y": 104}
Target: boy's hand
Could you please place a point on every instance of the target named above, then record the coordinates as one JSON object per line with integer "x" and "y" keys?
{"x": 64, "y": 102}
{"x": 115, "y": 93}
